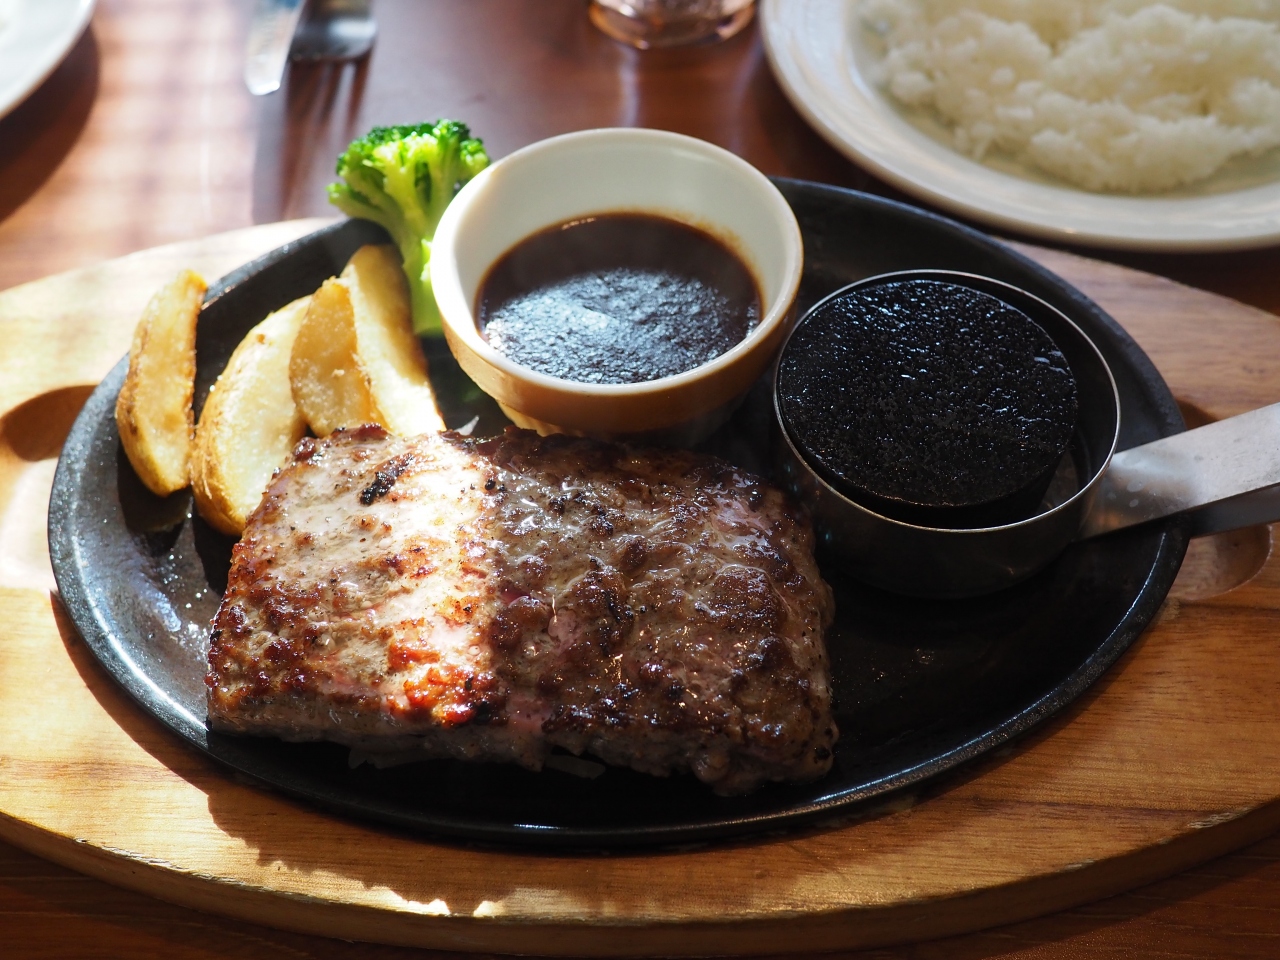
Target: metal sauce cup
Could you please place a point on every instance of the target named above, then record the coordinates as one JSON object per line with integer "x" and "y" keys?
{"x": 1221, "y": 476}
{"x": 949, "y": 562}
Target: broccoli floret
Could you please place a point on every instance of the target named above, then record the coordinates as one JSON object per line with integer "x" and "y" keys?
{"x": 403, "y": 178}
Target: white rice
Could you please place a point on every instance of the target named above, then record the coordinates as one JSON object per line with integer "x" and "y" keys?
{"x": 1111, "y": 95}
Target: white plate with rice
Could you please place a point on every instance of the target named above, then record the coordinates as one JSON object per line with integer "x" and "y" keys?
{"x": 1059, "y": 99}
{"x": 35, "y": 36}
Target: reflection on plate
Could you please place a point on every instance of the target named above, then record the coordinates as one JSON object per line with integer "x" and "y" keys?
{"x": 35, "y": 36}
{"x": 817, "y": 52}
{"x": 920, "y": 687}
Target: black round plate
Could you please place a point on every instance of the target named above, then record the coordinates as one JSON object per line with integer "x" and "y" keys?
{"x": 920, "y": 687}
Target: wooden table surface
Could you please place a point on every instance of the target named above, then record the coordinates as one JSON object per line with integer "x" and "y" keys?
{"x": 146, "y": 135}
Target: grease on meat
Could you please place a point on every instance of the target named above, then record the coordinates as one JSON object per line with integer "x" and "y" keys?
{"x": 493, "y": 599}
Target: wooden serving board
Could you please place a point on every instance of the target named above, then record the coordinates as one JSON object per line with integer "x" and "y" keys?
{"x": 1174, "y": 757}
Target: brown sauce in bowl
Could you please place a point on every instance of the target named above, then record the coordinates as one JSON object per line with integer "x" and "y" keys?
{"x": 618, "y": 298}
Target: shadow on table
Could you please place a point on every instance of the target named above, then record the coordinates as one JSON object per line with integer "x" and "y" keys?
{"x": 303, "y": 130}
{"x": 39, "y": 133}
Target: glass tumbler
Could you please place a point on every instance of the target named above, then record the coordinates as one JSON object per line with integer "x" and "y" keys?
{"x": 670, "y": 23}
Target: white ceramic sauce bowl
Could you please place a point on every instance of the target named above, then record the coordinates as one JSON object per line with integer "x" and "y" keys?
{"x": 618, "y": 171}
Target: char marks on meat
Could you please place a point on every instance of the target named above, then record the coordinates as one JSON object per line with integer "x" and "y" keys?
{"x": 493, "y": 599}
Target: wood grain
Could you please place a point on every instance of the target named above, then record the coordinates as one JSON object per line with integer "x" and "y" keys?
{"x": 1173, "y": 758}
{"x": 99, "y": 163}
{"x": 144, "y": 136}
{"x": 1171, "y": 919}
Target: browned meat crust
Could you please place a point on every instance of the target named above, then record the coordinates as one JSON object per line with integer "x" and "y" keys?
{"x": 492, "y": 599}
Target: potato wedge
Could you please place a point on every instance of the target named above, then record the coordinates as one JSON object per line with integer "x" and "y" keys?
{"x": 153, "y": 410}
{"x": 329, "y": 386}
{"x": 356, "y": 359}
{"x": 389, "y": 352}
{"x": 249, "y": 424}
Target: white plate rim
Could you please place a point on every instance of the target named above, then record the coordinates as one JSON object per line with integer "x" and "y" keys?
{"x": 807, "y": 45}
{"x": 43, "y": 60}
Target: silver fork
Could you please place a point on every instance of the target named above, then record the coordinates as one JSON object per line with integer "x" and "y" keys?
{"x": 334, "y": 30}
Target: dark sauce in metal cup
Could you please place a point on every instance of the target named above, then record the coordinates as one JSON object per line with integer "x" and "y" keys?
{"x": 617, "y": 298}
{"x": 932, "y": 560}
{"x": 930, "y": 403}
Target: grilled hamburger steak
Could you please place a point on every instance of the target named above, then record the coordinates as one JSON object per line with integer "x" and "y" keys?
{"x": 492, "y": 599}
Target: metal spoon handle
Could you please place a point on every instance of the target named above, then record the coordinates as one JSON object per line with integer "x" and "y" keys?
{"x": 1224, "y": 475}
